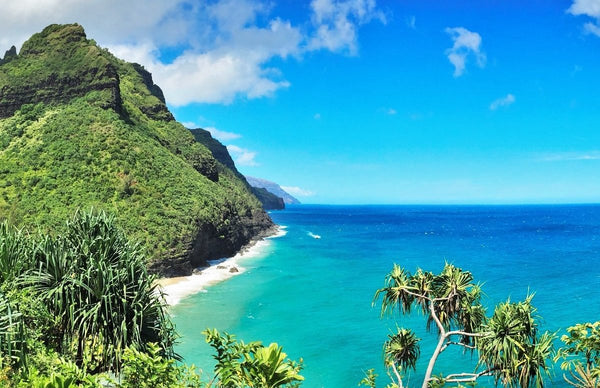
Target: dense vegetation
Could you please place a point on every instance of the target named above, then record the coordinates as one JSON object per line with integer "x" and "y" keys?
{"x": 91, "y": 130}
{"x": 80, "y": 309}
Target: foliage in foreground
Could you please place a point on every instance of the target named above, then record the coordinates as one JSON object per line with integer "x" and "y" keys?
{"x": 252, "y": 364}
{"x": 78, "y": 308}
{"x": 581, "y": 355}
{"x": 509, "y": 346}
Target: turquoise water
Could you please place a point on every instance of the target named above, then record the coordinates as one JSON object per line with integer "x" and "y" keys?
{"x": 313, "y": 296}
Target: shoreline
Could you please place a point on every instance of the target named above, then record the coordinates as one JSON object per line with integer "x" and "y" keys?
{"x": 177, "y": 288}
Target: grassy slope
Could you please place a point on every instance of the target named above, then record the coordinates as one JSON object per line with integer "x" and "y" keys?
{"x": 55, "y": 158}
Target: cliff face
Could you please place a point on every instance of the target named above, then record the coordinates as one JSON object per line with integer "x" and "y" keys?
{"x": 269, "y": 200}
{"x": 61, "y": 65}
{"x": 80, "y": 128}
{"x": 273, "y": 188}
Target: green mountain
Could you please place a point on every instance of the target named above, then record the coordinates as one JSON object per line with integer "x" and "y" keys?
{"x": 80, "y": 128}
{"x": 269, "y": 200}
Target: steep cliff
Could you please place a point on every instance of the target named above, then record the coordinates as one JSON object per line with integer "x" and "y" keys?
{"x": 80, "y": 128}
{"x": 269, "y": 200}
{"x": 273, "y": 188}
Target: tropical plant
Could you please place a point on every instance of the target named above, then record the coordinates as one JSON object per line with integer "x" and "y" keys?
{"x": 13, "y": 340}
{"x": 150, "y": 369}
{"x": 14, "y": 252}
{"x": 508, "y": 344}
{"x": 581, "y": 355}
{"x": 95, "y": 282}
{"x": 251, "y": 365}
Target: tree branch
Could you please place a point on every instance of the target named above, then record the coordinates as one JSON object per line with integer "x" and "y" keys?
{"x": 466, "y": 377}
{"x": 457, "y": 343}
{"x": 397, "y": 374}
{"x": 466, "y": 334}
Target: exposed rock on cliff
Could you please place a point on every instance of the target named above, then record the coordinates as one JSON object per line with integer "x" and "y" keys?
{"x": 80, "y": 128}
{"x": 269, "y": 200}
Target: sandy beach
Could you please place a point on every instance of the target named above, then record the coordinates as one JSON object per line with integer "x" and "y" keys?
{"x": 177, "y": 288}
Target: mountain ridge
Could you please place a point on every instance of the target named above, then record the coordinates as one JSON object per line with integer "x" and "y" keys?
{"x": 80, "y": 128}
{"x": 270, "y": 201}
{"x": 273, "y": 188}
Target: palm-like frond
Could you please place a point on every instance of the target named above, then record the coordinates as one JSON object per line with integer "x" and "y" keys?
{"x": 402, "y": 348}
{"x": 394, "y": 294}
{"x": 96, "y": 283}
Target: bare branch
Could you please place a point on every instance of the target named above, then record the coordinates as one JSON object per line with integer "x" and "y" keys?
{"x": 466, "y": 334}
{"x": 456, "y": 343}
{"x": 466, "y": 377}
{"x": 397, "y": 375}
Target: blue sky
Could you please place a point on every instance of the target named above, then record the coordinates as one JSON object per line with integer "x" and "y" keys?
{"x": 357, "y": 101}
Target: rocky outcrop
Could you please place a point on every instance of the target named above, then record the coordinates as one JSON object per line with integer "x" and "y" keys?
{"x": 9, "y": 55}
{"x": 44, "y": 79}
{"x": 213, "y": 243}
{"x": 269, "y": 200}
{"x": 157, "y": 111}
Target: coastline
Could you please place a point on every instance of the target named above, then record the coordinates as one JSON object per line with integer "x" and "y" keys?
{"x": 177, "y": 288}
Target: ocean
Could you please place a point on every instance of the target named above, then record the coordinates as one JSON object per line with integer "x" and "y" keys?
{"x": 314, "y": 296}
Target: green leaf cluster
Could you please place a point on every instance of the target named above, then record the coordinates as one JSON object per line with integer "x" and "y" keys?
{"x": 252, "y": 364}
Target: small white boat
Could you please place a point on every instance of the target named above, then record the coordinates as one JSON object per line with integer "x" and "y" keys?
{"x": 315, "y": 236}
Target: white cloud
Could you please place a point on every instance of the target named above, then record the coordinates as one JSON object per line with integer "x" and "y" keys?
{"x": 570, "y": 156}
{"x": 592, "y": 28}
{"x": 337, "y": 22}
{"x": 297, "y": 191}
{"x": 590, "y": 8}
{"x": 507, "y": 100}
{"x": 391, "y": 111}
{"x": 226, "y": 46}
{"x": 317, "y": 116}
{"x": 411, "y": 22}
{"x": 222, "y": 136}
{"x": 465, "y": 43}
{"x": 585, "y": 7}
{"x": 242, "y": 156}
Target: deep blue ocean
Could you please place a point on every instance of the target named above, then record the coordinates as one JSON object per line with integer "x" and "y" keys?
{"x": 314, "y": 296}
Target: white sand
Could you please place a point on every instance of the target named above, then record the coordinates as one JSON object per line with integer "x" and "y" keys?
{"x": 178, "y": 288}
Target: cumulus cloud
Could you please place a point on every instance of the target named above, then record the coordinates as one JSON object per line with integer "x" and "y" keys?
{"x": 337, "y": 22}
{"x": 297, "y": 191}
{"x": 590, "y": 8}
{"x": 223, "y": 49}
{"x": 222, "y": 136}
{"x": 242, "y": 156}
{"x": 507, "y": 100}
{"x": 466, "y": 44}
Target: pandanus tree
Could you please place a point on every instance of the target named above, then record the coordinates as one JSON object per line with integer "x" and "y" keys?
{"x": 508, "y": 344}
{"x": 95, "y": 282}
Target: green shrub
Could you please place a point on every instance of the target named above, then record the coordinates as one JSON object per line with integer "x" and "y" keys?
{"x": 95, "y": 282}
{"x": 150, "y": 369}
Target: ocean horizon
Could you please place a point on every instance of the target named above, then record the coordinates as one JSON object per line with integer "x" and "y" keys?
{"x": 314, "y": 295}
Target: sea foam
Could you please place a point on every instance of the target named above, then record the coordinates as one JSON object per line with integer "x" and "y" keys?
{"x": 175, "y": 289}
